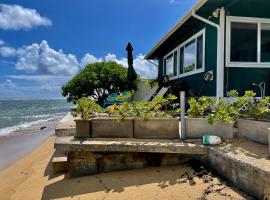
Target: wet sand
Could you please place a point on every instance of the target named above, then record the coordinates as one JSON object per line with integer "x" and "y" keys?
{"x": 20, "y": 143}
{"x": 32, "y": 178}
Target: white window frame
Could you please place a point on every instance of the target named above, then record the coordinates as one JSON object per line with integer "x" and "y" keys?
{"x": 251, "y": 20}
{"x": 196, "y": 71}
{"x": 177, "y": 63}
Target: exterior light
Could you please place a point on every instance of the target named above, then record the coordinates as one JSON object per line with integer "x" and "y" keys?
{"x": 216, "y": 13}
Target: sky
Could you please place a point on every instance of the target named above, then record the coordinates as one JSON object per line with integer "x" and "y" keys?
{"x": 43, "y": 44}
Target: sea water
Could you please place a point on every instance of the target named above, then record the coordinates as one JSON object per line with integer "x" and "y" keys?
{"x": 17, "y": 116}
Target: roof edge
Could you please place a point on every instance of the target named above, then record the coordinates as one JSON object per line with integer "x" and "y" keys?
{"x": 197, "y": 6}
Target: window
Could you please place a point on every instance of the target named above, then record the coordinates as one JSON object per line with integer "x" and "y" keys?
{"x": 186, "y": 59}
{"x": 248, "y": 42}
{"x": 170, "y": 64}
{"x": 243, "y": 42}
{"x": 192, "y": 55}
{"x": 265, "y": 43}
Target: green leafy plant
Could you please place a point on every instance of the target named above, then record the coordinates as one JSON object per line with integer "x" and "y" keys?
{"x": 160, "y": 107}
{"x": 246, "y": 106}
{"x": 250, "y": 107}
{"x": 200, "y": 107}
{"x": 224, "y": 112}
{"x": 233, "y": 93}
{"x": 86, "y": 108}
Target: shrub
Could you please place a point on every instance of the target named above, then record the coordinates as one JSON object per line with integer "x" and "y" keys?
{"x": 250, "y": 107}
{"x": 200, "y": 107}
{"x": 246, "y": 106}
{"x": 86, "y": 108}
{"x": 160, "y": 107}
{"x": 224, "y": 112}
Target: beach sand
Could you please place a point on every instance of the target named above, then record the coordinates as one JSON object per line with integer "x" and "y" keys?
{"x": 32, "y": 178}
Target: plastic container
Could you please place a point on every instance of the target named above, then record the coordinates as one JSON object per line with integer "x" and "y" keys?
{"x": 211, "y": 140}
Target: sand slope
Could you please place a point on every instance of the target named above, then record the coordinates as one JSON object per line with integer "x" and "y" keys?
{"x": 32, "y": 178}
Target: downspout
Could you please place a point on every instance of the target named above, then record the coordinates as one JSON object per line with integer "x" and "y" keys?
{"x": 220, "y": 49}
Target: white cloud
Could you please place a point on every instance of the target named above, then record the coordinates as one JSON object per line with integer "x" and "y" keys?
{"x": 88, "y": 59}
{"x": 6, "y": 51}
{"x": 141, "y": 66}
{"x": 42, "y": 59}
{"x": 2, "y": 42}
{"x": 38, "y": 78}
{"x": 174, "y": 1}
{"x": 9, "y": 84}
{"x": 144, "y": 68}
{"x": 35, "y": 86}
{"x": 15, "y": 17}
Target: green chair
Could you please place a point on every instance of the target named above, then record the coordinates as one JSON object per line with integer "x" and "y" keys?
{"x": 116, "y": 98}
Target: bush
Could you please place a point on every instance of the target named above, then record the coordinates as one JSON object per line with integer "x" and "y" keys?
{"x": 246, "y": 106}
{"x": 160, "y": 107}
{"x": 86, "y": 108}
{"x": 200, "y": 107}
{"x": 250, "y": 107}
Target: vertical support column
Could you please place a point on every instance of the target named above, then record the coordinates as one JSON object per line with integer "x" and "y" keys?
{"x": 220, "y": 54}
{"x": 183, "y": 113}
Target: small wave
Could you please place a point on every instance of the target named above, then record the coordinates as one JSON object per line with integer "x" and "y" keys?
{"x": 8, "y": 130}
{"x": 41, "y": 116}
{"x": 6, "y": 117}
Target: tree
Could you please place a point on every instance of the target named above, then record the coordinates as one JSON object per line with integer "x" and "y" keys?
{"x": 97, "y": 80}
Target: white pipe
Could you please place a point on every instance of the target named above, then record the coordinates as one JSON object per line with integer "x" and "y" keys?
{"x": 220, "y": 49}
{"x": 183, "y": 113}
{"x": 204, "y": 20}
{"x": 220, "y": 54}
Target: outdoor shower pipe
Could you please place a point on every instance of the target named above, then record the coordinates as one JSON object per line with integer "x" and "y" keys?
{"x": 262, "y": 88}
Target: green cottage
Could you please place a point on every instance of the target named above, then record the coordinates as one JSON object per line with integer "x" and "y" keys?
{"x": 218, "y": 46}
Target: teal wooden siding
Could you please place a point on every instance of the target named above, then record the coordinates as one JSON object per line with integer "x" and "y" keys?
{"x": 243, "y": 78}
{"x": 195, "y": 82}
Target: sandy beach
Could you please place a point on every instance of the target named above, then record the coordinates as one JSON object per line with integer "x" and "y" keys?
{"x": 32, "y": 178}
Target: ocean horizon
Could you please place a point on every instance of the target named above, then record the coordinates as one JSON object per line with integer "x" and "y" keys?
{"x": 22, "y": 115}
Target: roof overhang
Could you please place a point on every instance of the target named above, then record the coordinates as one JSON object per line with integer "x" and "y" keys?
{"x": 197, "y": 6}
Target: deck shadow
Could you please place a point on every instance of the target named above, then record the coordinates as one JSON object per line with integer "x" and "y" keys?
{"x": 48, "y": 172}
{"x": 116, "y": 181}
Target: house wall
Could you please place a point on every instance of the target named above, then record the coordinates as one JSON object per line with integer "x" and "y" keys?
{"x": 195, "y": 82}
{"x": 242, "y": 78}
{"x": 235, "y": 77}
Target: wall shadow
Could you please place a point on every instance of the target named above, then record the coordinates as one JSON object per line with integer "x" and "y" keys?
{"x": 117, "y": 181}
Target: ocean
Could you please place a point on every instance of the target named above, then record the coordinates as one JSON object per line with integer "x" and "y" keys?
{"x": 22, "y": 116}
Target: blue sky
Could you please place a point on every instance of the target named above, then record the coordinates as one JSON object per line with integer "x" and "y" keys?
{"x": 44, "y": 43}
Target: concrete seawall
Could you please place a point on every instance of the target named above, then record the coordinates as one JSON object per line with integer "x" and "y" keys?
{"x": 66, "y": 126}
{"x": 245, "y": 164}
{"x": 242, "y": 162}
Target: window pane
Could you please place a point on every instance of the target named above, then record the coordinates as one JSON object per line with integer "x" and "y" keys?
{"x": 169, "y": 65}
{"x": 190, "y": 56}
{"x": 199, "y": 52}
{"x": 181, "y": 60}
{"x": 164, "y": 67}
{"x": 243, "y": 42}
{"x": 265, "y": 38}
{"x": 175, "y": 64}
